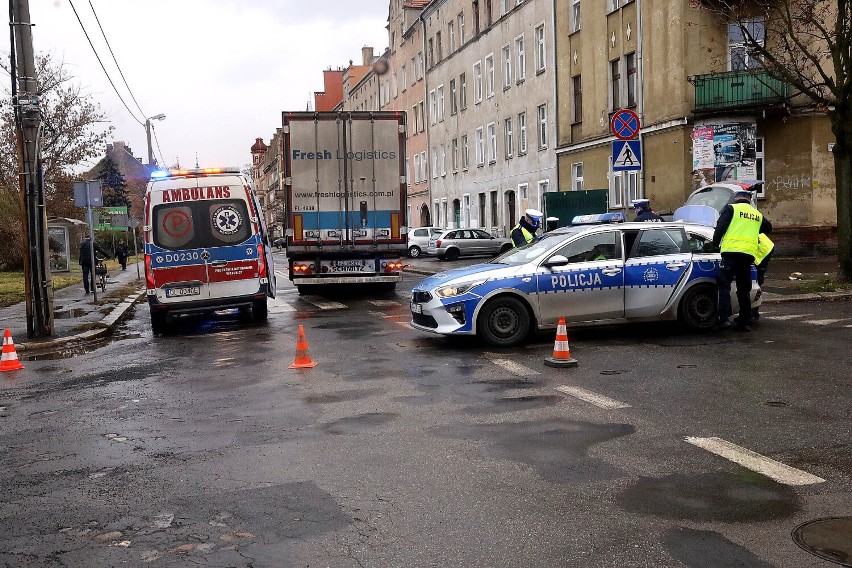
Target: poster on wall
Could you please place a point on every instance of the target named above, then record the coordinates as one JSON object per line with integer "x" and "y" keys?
{"x": 60, "y": 251}
{"x": 723, "y": 152}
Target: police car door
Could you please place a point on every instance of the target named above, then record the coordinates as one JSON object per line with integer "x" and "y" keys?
{"x": 658, "y": 261}
{"x": 587, "y": 283}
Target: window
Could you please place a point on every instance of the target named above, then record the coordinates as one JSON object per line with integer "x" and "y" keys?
{"x": 524, "y": 190}
{"x": 404, "y": 76}
{"x": 482, "y": 209}
{"x": 508, "y": 141}
{"x": 577, "y": 92}
{"x": 577, "y": 176}
{"x": 522, "y": 133}
{"x": 493, "y": 208}
{"x": 479, "y": 147}
{"x": 433, "y": 107}
{"x": 434, "y": 162}
{"x": 462, "y": 91}
{"x": 615, "y": 84}
{"x": 440, "y": 103}
{"x": 477, "y": 82}
{"x": 507, "y": 66}
{"x": 591, "y": 248}
{"x": 430, "y": 52}
{"x": 489, "y": 76}
{"x": 623, "y": 188}
{"x": 394, "y": 86}
{"x": 741, "y": 38}
{"x": 408, "y": 171}
{"x": 436, "y": 207}
{"x": 416, "y": 168}
{"x": 442, "y": 158}
{"x": 453, "y": 104}
{"x": 539, "y": 49}
{"x": 492, "y": 142}
{"x": 420, "y": 65}
{"x": 507, "y": 5}
{"x": 465, "y": 150}
{"x": 451, "y": 34}
{"x": 658, "y": 242}
{"x": 438, "y": 48}
{"x": 466, "y": 210}
{"x": 630, "y": 64}
{"x": 416, "y": 116}
{"x": 413, "y": 71}
{"x": 422, "y": 108}
{"x": 522, "y": 58}
{"x": 461, "y": 28}
{"x": 575, "y": 15}
{"x": 454, "y": 151}
{"x": 543, "y": 187}
{"x": 542, "y": 126}
{"x": 614, "y": 4}
{"x": 474, "y": 6}
{"x": 423, "y": 165}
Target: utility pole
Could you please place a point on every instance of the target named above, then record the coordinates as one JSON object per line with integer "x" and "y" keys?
{"x": 148, "y": 135}
{"x": 38, "y": 282}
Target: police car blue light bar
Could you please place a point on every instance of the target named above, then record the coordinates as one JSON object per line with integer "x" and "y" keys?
{"x": 598, "y": 219}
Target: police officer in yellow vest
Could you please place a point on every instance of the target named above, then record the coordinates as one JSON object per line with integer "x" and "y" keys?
{"x": 736, "y": 234}
{"x": 524, "y": 231}
{"x": 765, "y": 248}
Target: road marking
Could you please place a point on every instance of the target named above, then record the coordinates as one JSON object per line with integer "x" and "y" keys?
{"x": 281, "y": 308}
{"x": 404, "y": 324}
{"x": 751, "y": 460}
{"x": 384, "y": 303}
{"x": 593, "y": 398}
{"x": 825, "y": 321}
{"x": 324, "y": 304}
{"x": 510, "y": 366}
{"x": 787, "y": 317}
{"x": 281, "y": 275}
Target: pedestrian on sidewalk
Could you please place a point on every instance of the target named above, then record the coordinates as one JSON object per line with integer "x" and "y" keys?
{"x": 121, "y": 253}
{"x": 86, "y": 262}
{"x": 736, "y": 235}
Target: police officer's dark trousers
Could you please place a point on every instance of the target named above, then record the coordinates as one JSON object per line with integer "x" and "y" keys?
{"x": 735, "y": 266}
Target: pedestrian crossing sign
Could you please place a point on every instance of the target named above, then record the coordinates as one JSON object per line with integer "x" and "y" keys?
{"x": 626, "y": 155}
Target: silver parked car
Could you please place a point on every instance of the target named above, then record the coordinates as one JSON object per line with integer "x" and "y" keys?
{"x": 592, "y": 274}
{"x": 418, "y": 239}
{"x": 467, "y": 242}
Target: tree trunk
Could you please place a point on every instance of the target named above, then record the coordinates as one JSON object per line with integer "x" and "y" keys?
{"x": 841, "y": 126}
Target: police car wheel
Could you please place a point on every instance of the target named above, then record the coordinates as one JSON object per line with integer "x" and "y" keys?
{"x": 698, "y": 308}
{"x": 504, "y": 322}
{"x": 414, "y": 251}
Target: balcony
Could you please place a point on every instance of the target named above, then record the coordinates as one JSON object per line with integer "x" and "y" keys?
{"x": 737, "y": 90}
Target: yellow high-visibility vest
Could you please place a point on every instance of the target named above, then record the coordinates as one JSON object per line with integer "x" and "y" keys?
{"x": 764, "y": 247}
{"x": 743, "y": 231}
{"x": 527, "y": 235}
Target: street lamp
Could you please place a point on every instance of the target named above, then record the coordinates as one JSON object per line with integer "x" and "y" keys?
{"x": 160, "y": 116}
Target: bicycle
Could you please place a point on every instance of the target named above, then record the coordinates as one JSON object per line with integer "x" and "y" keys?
{"x": 101, "y": 274}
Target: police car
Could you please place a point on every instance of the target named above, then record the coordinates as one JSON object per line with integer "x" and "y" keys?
{"x": 600, "y": 270}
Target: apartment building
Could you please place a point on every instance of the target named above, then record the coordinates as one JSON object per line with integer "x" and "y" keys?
{"x": 490, "y": 92}
{"x": 707, "y": 112}
{"x": 404, "y": 86}
{"x": 266, "y": 177}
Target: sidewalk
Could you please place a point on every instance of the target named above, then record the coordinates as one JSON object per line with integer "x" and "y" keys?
{"x": 77, "y": 318}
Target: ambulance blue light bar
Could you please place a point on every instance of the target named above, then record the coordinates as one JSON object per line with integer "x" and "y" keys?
{"x": 161, "y": 174}
{"x": 599, "y": 219}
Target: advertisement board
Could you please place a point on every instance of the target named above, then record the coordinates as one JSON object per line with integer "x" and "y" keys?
{"x": 723, "y": 151}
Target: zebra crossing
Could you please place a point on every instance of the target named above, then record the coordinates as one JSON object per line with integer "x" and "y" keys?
{"x": 809, "y": 319}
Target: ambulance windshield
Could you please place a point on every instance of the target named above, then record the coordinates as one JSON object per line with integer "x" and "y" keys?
{"x": 201, "y": 224}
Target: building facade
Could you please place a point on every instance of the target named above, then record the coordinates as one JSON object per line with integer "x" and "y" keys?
{"x": 707, "y": 114}
{"x": 490, "y": 87}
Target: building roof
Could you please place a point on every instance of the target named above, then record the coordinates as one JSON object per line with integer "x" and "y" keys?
{"x": 129, "y": 166}
{"x": 416, "y": 3}
{"x": 259, "y": 145}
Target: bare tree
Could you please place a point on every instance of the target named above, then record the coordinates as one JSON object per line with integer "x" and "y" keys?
{"x": 75, "y": 132}
{"x": 808, "y": 44}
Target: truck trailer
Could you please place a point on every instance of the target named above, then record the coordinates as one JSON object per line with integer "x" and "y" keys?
{"x": 345, "y": 194}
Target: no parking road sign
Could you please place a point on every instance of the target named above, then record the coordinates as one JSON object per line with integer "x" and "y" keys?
{"x": 625, "y": 124}
{"x": 626, "y": 156}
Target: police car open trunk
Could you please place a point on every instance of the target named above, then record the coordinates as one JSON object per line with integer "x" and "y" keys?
{"x": 344, "y": 178}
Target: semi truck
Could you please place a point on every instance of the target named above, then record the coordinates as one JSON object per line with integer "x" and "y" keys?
{"x": 345, "y": 198}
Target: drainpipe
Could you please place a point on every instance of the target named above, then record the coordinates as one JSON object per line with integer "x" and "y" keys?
{"x": 425, "y": 119}
{"x": 640, "y": 87}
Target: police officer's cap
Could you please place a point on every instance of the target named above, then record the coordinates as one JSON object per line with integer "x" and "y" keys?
{"x": 552, "y": 219}
{"x": 641, "y": 203}
{"x": 534, "y": 214}
{"x": 742, "y": 194}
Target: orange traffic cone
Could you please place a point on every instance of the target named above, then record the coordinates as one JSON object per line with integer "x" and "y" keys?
{"x": 561, "y": 351}
{"x": 9, "y": 359}
{"x": 303, "y": 359}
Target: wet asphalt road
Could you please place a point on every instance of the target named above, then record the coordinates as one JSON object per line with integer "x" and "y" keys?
{"x": 406, "y": 449}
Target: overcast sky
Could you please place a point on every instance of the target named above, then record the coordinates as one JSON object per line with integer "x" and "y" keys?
{"x": 220, "y": 70}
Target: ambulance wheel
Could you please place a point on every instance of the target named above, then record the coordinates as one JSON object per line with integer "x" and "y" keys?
{"x": 698, "y": 307}
{"x": 452, "y": 254}
{"x": 158, "y": 322}
{"x": 504, "y": 322}
{"x": 259, "y": 310}
{"x": 414, "y": 251}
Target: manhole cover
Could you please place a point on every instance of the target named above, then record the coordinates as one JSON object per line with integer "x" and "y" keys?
{"x": 829, "y": 539}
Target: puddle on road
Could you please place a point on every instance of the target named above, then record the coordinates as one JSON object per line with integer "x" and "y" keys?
{"x": 341, "y": 396}
{"x": 503, "y": 385}
{"x": 829, "y": 539}
{"x": 712, "y": 497}
{"x": 359, "y": 424}
{"x": 69, "y": 314}
{"x": 513, "y": 403}
{"x": 708, "y": 549}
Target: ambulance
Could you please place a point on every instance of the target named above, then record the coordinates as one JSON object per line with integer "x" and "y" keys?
{"x": 206, "y": 245}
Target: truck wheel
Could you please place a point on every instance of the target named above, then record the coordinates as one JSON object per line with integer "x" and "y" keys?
{"x": 698, "y": 307}
{"x": 259, "y": 310}
{"x": 304, "y": 289}
{"x": 414, "y": 251}
{"x": 158, "y": 322}
{"x": 504, "y": 322}
{"x": 452, "y": 254}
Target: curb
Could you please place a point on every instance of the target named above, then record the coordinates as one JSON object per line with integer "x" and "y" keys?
{"x": 109, "y": 321}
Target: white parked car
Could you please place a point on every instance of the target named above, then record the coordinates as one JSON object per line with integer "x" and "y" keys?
{"x": 418, "y": 239}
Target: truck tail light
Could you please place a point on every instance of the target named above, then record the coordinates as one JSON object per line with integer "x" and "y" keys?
{"x": 393, "y": 266}
{"x": 149, "y": 274}
{"x": 303, "y": 268}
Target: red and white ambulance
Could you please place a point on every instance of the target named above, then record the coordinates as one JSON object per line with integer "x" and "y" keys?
{"x": 206, "y": 245}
